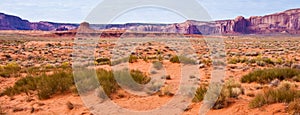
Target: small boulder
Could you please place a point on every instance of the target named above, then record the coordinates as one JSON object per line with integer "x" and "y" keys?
{"x": 275, "y": 83}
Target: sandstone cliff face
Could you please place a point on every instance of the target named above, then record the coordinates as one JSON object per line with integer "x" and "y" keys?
{"x": 288, "y": 21}
{"x": 8, "y": 22}
{"x": 283, "y": 22}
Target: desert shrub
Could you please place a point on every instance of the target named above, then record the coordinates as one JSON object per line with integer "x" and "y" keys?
{"x": 268, "y": 61}
{"x": 251, "y": 61}
{"x": 145, "y": 58}
{"x": 46, "y": 85}
{"x": 109, "y": 84}
{"x": 294, "y": 107}
{"x": 10, "y": 69}
{"x": 236, "y": 60}
{"x": 133, "y": 58}
{"x": 231, "y": 89}
{"x": 165, "y": 91}
{"x": 139, "y": 77}
{"x": 283, "y": 94}
{"x": 206, "y": 61}
{"x": 296, "y": 78}
{"x": 279, "y": 61}
{"x": 23, "y": 85}
{"x": 107, "y": 81}
{"x": 65, "y": 65}
{"x": 160, "y": 58}
{"x": 157, "y": 65}
{"x": 200, "y": 93}
{"x": 267, "y": 75}
{"x": 103, "y": 61}
{"x": 58, "y": 82}
{"x": 182, "y": 59}
{"x": 130, "y": 59}
{"x": 119, "y": 61}
{"x": 175, "y": 59}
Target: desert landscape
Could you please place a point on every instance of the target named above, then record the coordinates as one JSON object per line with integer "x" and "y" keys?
{"x": 262, "y": 66}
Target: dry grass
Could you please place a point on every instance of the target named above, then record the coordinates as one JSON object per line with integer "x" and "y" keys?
{"x": 286, "y": 93}
{"x": 267, "y": 75}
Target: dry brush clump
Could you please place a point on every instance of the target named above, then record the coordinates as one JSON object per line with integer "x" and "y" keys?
{"x": 9, "y": 70}
{"x": 45, "y": 85}
{"x": 259, "y": 60}
{"x": 231, "y": 89}
{"x": 267, "y": 75}
{"x": 107, "y": 80}
{"x": 182, "y": 59}
{"x": 62, "y": 81}
{"x": 294, "y": 107}
{"x": 285, "y": 93}
{"x": 103, "y": 61}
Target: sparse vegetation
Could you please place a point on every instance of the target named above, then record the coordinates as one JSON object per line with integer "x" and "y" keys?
{"x": 200, "y": 93}
{"x": 286, "y": 93}
{"x": 231, "y": 89}
{"x": 260, "y": 61}
{"x": 182, "y": 59}
{"x": 175, "y": 59}
{"x": 10, "y": 70}
{"x": 294, "y": 107}
{"x": 103, "y": 61}
{"x": 165, "y": 91}
{"x": 45, "y": 85}
{"x": 62, "y": 81}
{"x": 267, "y": 75}
{"x": 133, "y": 58}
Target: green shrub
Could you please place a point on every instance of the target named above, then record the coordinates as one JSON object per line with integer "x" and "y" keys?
{"x": 200, "y": 93}
{"x": 175, "y": 59}
{"x": 231, "y": 89}
{"x": 165, "y": 91}
{"x": 109, "y": 83}
{"x": 59, "y": 82}
{"x": 133, "y": 58}
{"x": 46, "y": 85}
{"x": 65, "y": 65}
{"x": 267, "y": 75}
{"x": 9, "y": 70}
{"x": 236, "y": 60}
{"x": 103, "y": 61}
{"x": 283, "y": 94}
{"x": 294, "y": 107}
{"x": 119, "y": 61}
{"x": 182, "y": 59}
{"x": 62, "y": 81}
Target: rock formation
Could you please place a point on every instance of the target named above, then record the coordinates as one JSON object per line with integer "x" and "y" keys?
{"x": 283, "y": 22}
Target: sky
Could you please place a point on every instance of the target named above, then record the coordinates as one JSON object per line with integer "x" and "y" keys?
{"x": 76, "y": 11}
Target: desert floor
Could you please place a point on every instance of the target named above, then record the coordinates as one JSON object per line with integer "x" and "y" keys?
{"x": 36, "y": 52}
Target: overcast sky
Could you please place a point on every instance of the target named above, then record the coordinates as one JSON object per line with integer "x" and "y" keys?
{"x": 75, "y": 11}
